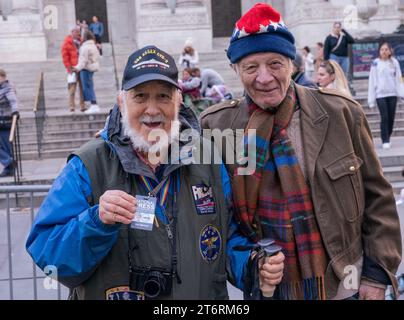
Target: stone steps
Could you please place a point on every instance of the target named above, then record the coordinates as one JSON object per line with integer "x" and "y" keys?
{"x": 393, "y": 174}
{"x": 398, "y": 186}
{"x": 62, "y": 134}
{"x": 48, "y": 154}
{"x": 59, "y": 142}
{"x": 24, "y": 77}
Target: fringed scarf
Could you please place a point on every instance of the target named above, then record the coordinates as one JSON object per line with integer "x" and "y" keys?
{"x": 275, "y": 202}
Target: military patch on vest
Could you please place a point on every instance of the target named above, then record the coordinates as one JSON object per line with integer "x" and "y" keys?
{"x": 123, "y": 293}
{"x": 204, "y": 201}
{"x": 210, "y": 243}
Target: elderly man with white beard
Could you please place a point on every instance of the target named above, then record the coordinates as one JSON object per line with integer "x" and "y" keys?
{"x": 118, "y": 224}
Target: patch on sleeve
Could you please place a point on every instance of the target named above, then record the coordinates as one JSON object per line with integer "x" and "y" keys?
{"x": 123, "y": 293}
{"x": 204, "y": 200}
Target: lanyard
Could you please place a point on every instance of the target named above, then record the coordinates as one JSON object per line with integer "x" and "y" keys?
{"x": 164, "y": 186}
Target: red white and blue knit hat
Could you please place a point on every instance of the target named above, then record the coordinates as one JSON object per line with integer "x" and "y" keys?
{"x": 261, "y": 29}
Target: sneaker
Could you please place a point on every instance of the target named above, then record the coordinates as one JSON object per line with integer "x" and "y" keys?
{"x": 386, "y": 145}
{"x": 94, "y": 108}
{"x": 401, "y": 283}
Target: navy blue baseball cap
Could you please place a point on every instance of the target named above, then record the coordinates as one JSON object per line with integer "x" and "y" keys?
{"x": 148, "y": 64}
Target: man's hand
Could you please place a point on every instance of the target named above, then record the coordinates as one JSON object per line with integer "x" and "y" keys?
{"x": 117, "y": 207}
{"x": 367, "y": 292}
{"x": 271, "y": 273}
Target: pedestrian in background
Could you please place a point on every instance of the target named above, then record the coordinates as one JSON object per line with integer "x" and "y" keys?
{"x": 319, "y": 55}
{"x": 83, "y": 28}
{"x": 298, "y": 75}
{"x": 331, "y": 76}
{"x": 70, "y": 53}
{"x": 336, "y": 47}
{"x": 385, "y": 85}
{"x": 209, "y": 78}
{"x": 89, "y": 62}
{"x": 8, "y": 108}
{"x": 189, "y": 57}
{"x": 308, "y": 63}
{"x": 190, "y": 86}
{"x": 97, "y": 28}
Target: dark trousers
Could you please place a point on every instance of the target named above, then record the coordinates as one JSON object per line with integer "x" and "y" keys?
{"x": 387, "y": 109}
{"x": 98, "y": 42}
{"x": 5, "y": 149}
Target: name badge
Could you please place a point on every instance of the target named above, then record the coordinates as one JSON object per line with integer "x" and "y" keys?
{"x": 145, "y": 213}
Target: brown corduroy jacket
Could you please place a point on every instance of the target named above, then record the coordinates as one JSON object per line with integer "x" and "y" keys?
{"x": 353, "y": 202}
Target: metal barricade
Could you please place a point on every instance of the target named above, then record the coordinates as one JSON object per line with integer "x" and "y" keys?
{"x": 8, "y": 191}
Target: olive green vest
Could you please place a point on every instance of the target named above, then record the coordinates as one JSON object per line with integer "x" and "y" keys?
{"x": 201, "y": 278}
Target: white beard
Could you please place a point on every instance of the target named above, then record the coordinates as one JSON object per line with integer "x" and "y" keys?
{"x": 140, "y": 144}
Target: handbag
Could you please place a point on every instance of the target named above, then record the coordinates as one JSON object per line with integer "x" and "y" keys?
{"x": 71, "y": 78}
{"x": 400, "y": 89}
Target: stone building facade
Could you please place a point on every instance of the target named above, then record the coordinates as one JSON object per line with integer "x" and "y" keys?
{"x": 32, "y": 30}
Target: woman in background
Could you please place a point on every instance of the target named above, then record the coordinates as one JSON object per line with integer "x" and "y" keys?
{"x": 331, "y": 76}
{"x": 89, "y": 62}
{"x": 385, "y": 84}
{"x": 308, "y": 63}
{"x": 189, "y": 57}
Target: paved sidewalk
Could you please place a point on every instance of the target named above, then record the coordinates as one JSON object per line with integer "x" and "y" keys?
{"x": 38, "y": 171}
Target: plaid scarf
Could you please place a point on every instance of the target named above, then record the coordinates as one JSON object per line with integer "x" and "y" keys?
{"x": 275, "y": 202}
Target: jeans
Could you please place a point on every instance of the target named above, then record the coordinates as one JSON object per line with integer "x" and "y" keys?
{"x": 88, "y": 86}
{"x": 343, "y": 62}
{"x": 5, "y": 148}
{"x": 387, "y": 109}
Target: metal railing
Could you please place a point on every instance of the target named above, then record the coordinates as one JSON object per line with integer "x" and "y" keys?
{"x": 31, "y": 190}
{"x": 16, "y": 148}
{"x": 40, "y": 111}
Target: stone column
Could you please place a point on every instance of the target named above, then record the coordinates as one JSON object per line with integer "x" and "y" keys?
{"x": 153, "y": 4}
{"x": 25, "y": 6}
{"x": 401, "y": 10}
{"x": 189, "y": 3}
{"x": 168, "y": 26}
{"x": 6, "y": 7}
{"x": 22, "y": 37}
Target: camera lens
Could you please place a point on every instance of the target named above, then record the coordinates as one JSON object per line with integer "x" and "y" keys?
{"x": 154, "y": 284}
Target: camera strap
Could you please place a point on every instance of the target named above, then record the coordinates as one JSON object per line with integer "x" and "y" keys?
{"x": 171, "y": 226}
{"x": 174, "y": 257}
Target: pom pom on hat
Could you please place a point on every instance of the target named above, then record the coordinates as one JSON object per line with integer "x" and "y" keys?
{"x": 261, "y": 29}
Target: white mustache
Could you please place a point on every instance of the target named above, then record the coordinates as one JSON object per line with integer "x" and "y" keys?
{"x": 154, "y": 119}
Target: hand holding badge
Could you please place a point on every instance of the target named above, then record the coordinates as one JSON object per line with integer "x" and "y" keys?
{"x": 116, "y": 206}
{"x": 145, "y": 213}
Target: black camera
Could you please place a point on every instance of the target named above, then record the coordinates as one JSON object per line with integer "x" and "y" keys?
{"x": 153, "y": 282}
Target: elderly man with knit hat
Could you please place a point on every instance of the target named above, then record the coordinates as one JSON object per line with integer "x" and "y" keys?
{"x": 318, "y": 189}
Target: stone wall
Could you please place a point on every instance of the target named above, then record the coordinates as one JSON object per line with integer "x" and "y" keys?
{"x": 22, "y": 37}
